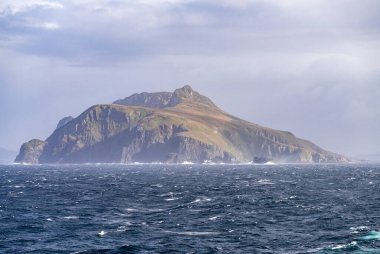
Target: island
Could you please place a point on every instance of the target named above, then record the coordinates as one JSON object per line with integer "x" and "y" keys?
{"x": 168, "y": 127}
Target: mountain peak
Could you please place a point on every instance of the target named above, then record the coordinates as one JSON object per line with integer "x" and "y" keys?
{"x": 186, "y": 94}
{"x": 187, "y": 89}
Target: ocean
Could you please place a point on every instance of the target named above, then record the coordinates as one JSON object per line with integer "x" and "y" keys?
{"x": 190, "y": 208}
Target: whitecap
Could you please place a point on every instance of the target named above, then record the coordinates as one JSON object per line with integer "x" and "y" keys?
{"x": 123, "y": 227}
{"x": 213, "y": 218}
{"x": 171, "y": 199}
{"x": 345, "y": 246}
{"x": 264, "y": 181}
{"x": 355, "y": 230}
{"x": 71, "y": 217}
{"x": 131, "y": 210}
{"x": 165, "y": 194}
{"x": 144, "y": 210}
{"x": 102, "y": 233}
{"x": 153, "y": 210}
{"x": 201, "y": 199}
{"x": 192, "y": 233}
{"x": 18, "y": 186}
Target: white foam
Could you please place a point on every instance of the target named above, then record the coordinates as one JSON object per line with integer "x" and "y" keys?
{"x": 102, "y": 233}
{"x": 171, "y": 199}
{"x": 344, "y": 246}
{"x": 169, "y": 194}
{"x": 71, "y": 217}
{"x": 201, "y": 199}
{"x": 356, "y": 230}
{"x": 122, "y": 228}
{"x": 187, "y": 163}
{"x": 193, "y": 233}
{"x": 154, "y": 210}
{"x": 264, "y": 181}
{"x": 144, "y": 210}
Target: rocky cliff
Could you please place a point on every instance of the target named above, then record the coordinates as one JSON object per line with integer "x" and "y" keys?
{"x": 167, "y": 127}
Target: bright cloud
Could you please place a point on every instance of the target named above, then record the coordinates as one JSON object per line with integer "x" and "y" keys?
{"x": 51, "y": 25}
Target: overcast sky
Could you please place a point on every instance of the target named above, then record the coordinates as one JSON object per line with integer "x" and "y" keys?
{"x": 309, "y": 67}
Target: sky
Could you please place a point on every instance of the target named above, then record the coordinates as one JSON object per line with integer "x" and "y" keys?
{"x": 309, "y": 67}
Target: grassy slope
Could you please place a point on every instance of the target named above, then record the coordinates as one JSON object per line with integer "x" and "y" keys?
{"x": 238, "y": 137}
{"x": 205, "y": 123}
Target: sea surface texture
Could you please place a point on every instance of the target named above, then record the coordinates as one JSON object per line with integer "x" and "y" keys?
{"x": 190, "y": 209}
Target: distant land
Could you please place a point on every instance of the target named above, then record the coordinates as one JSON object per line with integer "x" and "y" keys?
{"x": 168, "y": 127}
{"x": 7, "y": 156}
{"x": 368, "y": 157}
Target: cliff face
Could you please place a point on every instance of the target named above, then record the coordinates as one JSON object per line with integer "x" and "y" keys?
{"x": 31, "y": 151}
{"x": 167, "y": 127}
{"x": 64, "y": 121}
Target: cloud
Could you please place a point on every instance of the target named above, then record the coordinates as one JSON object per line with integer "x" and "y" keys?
{"x": 51, "y": 25}
{"x": 123, "y": 30}
{"x": 13, "y": 7}
{"x": 310, "y": 67}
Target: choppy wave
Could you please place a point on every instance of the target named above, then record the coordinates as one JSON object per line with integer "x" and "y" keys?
{"x": 145, "y": 208}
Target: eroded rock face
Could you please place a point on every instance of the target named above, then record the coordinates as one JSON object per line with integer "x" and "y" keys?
{"x": 171, "y": 128}
{"x": 31, "y": 151}
{"x": 64, "y": 121}
{"x": 151, "y": 100}
{"x": 166, "y": 99}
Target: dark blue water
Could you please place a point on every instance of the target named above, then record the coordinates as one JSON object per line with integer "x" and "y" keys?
{"x": 190, "y": 209}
